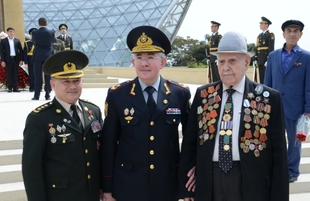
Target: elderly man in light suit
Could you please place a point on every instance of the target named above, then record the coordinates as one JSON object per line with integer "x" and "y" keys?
{"x": 288, "y": 71}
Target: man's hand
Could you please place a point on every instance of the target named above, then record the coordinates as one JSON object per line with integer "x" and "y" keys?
{"x": 191, "y": 183}
{"x": 107, "y": 197}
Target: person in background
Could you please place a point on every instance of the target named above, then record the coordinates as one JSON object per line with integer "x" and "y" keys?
{"x": 235, "y": 136}
{"x": 12, "y": 56}
{"x": 59, "y": 45}
{"x": 140, "y": 138}
{"x": 60, "y": 159}
{"x": 213, "y": 44}
{"x": 288, "y": 71}
{"x": 42, "y": 39}
{"x": 264, "y": 45}
{"x": 65, "y": 37}
{"x": 28, "y": 56}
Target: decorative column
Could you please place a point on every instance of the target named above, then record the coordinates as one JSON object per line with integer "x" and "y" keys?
{"x": 12, "y": 15}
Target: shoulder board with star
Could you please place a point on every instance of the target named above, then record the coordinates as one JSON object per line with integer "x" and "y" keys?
{"x": 43, "y": 107}
{"x": 271, "y": 35}
{"x": 120, "y": 85}
{"x": 69, "y": 36}
{"x": 181, "y": 85}
{"x": 220, "y": 35}
{"x": 27, "y": 41}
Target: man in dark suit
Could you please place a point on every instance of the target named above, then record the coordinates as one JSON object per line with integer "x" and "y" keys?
{"x": 28, "y": 55}
{"x": 288, "y": 71}
{"x": 43, "y": 39}
{"x": 65, "y": 37}
{"x": 140, "y": 144}
{"x": 12, "y": 56}
{"x": 60, "y": 159}
{"x": 235, "y": 135}
{"x": 264, "y": 45}
{"x": 213, "y": 44}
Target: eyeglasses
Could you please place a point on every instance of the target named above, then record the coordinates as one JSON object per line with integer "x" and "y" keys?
{"x": 149, "y": 58}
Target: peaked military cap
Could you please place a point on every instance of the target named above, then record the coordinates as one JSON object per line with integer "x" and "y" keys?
{"x": 31, "y": 30}
{"x": 148, "y": 39}
{"x": 265, "y": 20}
{"x": 295, "y": 23}
{"x": 214, "y": 23}
{"x": 63, "y": 26}
{"x": 66, "y": 64}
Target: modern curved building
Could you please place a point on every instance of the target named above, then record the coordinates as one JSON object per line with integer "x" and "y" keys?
{"x": 99, "y": 27}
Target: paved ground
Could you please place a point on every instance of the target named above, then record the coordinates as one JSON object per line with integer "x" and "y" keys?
{"x": 15, "y": 107}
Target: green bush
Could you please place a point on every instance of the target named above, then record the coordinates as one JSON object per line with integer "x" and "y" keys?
{"x": 195, "y": 65}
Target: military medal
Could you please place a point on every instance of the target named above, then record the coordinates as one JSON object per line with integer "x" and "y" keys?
{"x": 52, "y": 131}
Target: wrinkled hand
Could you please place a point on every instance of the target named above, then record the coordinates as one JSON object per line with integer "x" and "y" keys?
{"x": 307, "y": 114}
{"x": 189, "y": 199}
{"x": 191, "y": 183}
{"x": 3, "y": 64}
{"x": 107, "y": 197}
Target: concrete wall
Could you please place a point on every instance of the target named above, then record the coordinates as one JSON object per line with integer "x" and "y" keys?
{"x": 12, "y": 15}
{"x": 179, "y": 74}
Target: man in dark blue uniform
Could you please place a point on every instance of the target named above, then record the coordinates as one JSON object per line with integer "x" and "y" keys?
{"x": 60, "y": 159}
{"x": 28, "y": 54}
{"x": 140, "y": 144}
{"x": 213, "y": 44}
{"x": 265, "y": 45}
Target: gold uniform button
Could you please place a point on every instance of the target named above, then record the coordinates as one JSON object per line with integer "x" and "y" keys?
{"x": 152, "y": 138}
{"x": 88, "y": 164}
{"x": 152, "y": 167}
{"x": 152, "y": 152}
{"x": 86, "y": 151}
{"x": 88, "y": 176}
{"x": 152, "y": 123}
{"x": 54, "y": 186}
{"x": 84, "y": 138}
{"x": 174, "y": 120}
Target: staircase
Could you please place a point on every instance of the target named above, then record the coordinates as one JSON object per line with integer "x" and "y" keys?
{"x": 12, "y": 187}
{"x": 94, "y": 80}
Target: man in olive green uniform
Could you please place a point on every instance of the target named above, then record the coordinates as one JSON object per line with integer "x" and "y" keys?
{"x": 213, "y": 44}
{"x": 60, "y": 159}
{"x": 59, "y": 45}
{"x": 28, "y": 53}
{"x": 64, "y": 37}
{"x": 264, "y": 45}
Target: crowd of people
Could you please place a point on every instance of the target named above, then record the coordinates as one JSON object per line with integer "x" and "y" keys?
{"x": 30, "y": 57}
{"x": 235, "y": 131}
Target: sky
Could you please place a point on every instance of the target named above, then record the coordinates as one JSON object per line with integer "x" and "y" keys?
{"x": 243, "y": 16}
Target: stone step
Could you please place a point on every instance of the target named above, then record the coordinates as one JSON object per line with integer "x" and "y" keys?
{"x": 98, "y": 85}
{"x": 304, "y": 166}
{"x": 305, "y": 149}
{"x": 302, "y": 185}
{"x": 12, "y": 192}
{"x": 99, "y": 79}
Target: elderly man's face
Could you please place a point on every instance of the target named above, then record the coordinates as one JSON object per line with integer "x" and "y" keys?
{"x": 67, "y": 90}
{"x": 232, "y": 67}
{"x": 292, "y": 34}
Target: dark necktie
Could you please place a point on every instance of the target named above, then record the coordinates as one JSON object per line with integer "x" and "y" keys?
{"x": 150, "y": 100}
{"x": 76, "y": 117}
{"x": 225, "y": 139}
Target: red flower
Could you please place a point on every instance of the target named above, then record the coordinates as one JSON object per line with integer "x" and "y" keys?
{"x": 23, "y": 78}
{"x": 301, "y": 137}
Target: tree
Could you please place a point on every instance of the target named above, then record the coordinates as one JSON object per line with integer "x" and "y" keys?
{"x": 187, "y": 50}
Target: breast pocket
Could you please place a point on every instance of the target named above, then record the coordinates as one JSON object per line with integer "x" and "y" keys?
{"x": 130, "y": 126}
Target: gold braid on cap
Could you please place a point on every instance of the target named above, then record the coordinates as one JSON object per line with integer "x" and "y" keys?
{"x": 69, "y": 68}
{"x": 145, "y": 44}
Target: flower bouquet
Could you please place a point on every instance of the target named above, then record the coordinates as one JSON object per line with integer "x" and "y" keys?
{"x": 302, "y": 128}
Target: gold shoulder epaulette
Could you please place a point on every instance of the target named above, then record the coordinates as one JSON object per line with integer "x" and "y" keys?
{"x": 43, "y": 107}
{"x": 120, "y": 85}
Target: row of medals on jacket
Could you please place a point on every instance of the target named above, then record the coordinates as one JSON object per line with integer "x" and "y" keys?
{"x": 63, "y": 128}
{"x": 256, "y": 110}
